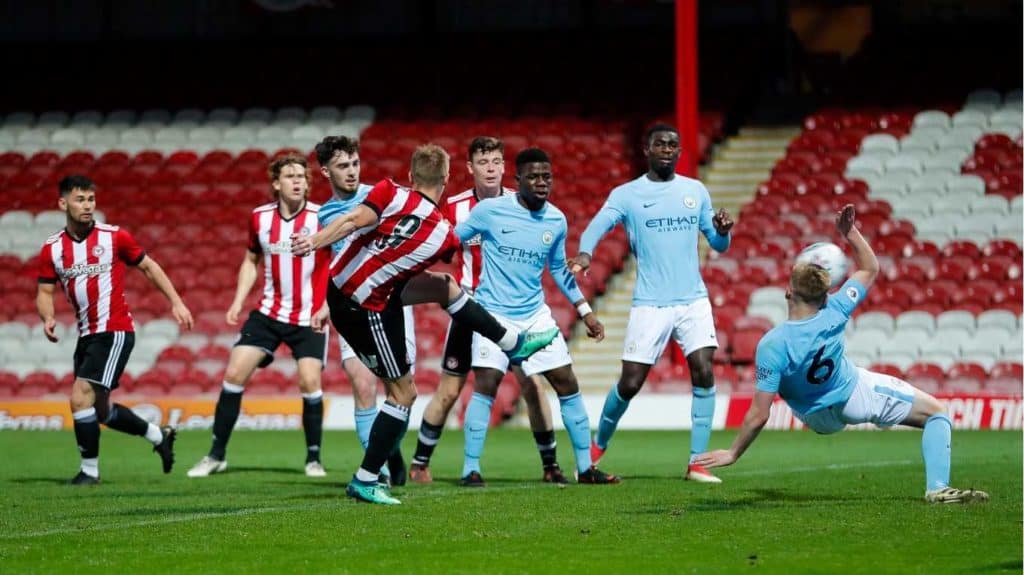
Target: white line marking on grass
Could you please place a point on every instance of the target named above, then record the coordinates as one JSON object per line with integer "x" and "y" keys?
{"x": 161, "y": 521}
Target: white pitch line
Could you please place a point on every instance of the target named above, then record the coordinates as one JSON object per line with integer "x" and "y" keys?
{"x": 261, "y": 510}
{"x": 160, "y": 521}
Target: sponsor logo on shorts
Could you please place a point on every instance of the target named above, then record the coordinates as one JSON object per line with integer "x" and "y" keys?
{"x": 631, "y": 348}
{"x": 452, "y": 363}
{"x": 484, "y": 352}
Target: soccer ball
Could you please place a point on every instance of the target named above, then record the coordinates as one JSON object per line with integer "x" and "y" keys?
{"x": 828, "y": 256}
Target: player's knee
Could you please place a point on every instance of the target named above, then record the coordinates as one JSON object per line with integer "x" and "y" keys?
{"x": 448, "y": 392}
{"x": 629, "y": 386}
{"x": 702, "y": 375}
{"x": 309, "y": 384}
{"x": 931, "y": 406}
{"x": 234, "y": 375}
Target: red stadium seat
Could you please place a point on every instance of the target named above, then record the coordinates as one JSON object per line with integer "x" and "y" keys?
{"x": 744, "y": 344}
{"x": 927, "y": 377}
{"x": 887, "y": 369}
{"x": 38, "y": 383}
{"x": 999, "y": 247}
{"x": 965, "y": 378}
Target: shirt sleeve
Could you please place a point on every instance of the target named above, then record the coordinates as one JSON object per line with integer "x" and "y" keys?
{"x": 770, "y": 362}
{"x": 47, "y": 273}
{"x": 559, "y": 270}
{"x": 380, "y": 196}
{"x": 128, "y": 249}
{"x": 611, "y": 213}
{"x": 254, "y": 235}
{"x": 476, "y": 224}
{"x": 848, "y": 297}
{"x": 718, "y": 242}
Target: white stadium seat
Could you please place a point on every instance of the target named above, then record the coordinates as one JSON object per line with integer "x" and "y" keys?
{"x": 990, "y": 206}
{"x": 85, "y": 118}
{"x": 171, "y": 135}
{"x": 919, "y": 142}
{"x": 932, "y": 118}
{"x": 23, "y": 119}
{"x": 978, "y": 230}
{"x": 876, "y": 320}
{"x": 956, "y": 320}
{"x": 965, "y": 185}
{"x": 154, "y": 117}
{"x": 121, "y": 118}
{"x": 910, "y": 320}
{"x": 880, "y": 143}
{"x": 189, "y": 116}
{"x": 256, "y": 117}
{"x": 222, "y": 116}
{"x": 970, "y": 117}
{"x": 325, "y": 115}
{"x": 52, "y": 119}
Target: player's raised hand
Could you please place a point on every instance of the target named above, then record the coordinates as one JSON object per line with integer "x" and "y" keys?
{"x": 723, "y": 223}
{"x": 301, "y": 246}
{"x": 580, "y": 263}
{"x": 717, "y": 458}
{"x": 232, "y": 314}
{"x": 845, "y": 219}
{"x": 49, "y": 327}
{"x": 319, "y": 320}
{"x": 595, "y": 329}
{"x": 182, "y": 315}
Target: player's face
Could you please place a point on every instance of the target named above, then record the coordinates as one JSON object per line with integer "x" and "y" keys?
{"x": 292, "y": 185}
{"x": 535, "y": 182}
{"x": 79, "y": 205}
{"x": 343, "y": 172}
{"x": 487, "y": 168}
{"x": 662, "y": 152}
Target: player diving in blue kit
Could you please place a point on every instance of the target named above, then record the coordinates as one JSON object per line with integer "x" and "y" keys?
{"x": 803, "y": 361}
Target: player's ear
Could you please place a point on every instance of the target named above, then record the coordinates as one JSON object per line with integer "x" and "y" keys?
{"x": 469, "y": 167}
{"x": 62, "y": 203}
{"x": 323, "y": 170}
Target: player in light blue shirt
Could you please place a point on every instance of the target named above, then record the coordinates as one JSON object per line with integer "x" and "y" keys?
{"x": 663, "y": 212}
{"x": 338, "y": 157}
{"x": 803, "y": 361}
{"x": 520, "y": 235}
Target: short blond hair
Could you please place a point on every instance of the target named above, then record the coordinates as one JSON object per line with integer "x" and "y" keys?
{"x": 429, "y": 165}
{"x": 809, "y": 283}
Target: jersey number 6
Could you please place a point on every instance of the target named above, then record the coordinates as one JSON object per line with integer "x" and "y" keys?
{"x": 817, "y": 365}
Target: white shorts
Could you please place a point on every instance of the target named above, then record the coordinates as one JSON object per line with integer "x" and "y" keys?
{"x": 877, "y": 398}
{"x": 486, "y": 353}
{"x": 348, "y": 353}
{"x": 691, "y": 326}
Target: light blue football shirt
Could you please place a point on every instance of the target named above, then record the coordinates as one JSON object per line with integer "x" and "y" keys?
{"x": 335, "y": 207}
{"x": 804, "y": 361}
{"x": 662, "y": 220}
{"x": 517, "y": 244}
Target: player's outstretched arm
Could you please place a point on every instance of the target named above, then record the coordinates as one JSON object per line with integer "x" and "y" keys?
{"x": 360, "y": 217}
{"x": 753, "y": 423}
{"x": 247, "y": 273}
{"x": 863, "y": 255}
{"x": 156, "y": 276}
{"x": 605, "y": 219}
{"x": 44, "y": 305}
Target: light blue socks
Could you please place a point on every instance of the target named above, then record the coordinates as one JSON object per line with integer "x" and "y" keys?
{"x": 577, "y": 423}
{"x": 935, "y": 442}
{"x": 614, "y": 408}
{"x": 478, "y": 417}
{"x": 702, "y": 412}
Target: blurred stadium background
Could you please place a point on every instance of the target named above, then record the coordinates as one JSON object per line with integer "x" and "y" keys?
{"x": 909, "y": 109}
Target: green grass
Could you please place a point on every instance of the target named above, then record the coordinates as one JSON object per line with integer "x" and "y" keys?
{"x": 797, "y": 503}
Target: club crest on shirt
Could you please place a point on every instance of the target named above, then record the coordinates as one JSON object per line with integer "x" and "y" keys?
{"x": 98, "y": 251}
{"x": 547, "y": 238}
{"x": 689, "y": 202}
{"x": 304, "y": 231}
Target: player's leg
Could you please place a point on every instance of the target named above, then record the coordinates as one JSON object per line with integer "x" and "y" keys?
{"x": 310, "y": 351}
{"x": 431, "y": 287}
{"x": 455, "y": 367}
{"x": 364, "y": 391}
{"x": 488, "y": 371}
{"x": 574, "y": 414}
{"x": 885, "y": 400}
{"x": 379, "y": 339}
{"x": 542, "y": 425}
{"x": 695, "y": 333}
{"x": 254, "y": 349}
{"x": 647, "y": 333}
{"x": 99, "y": 361}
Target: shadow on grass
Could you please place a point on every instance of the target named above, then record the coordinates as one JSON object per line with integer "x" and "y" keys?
{"x": 42, "y": 480}
{"x": 1008, "y": 566}
{"x": 759, "y": 498}
{"x": 282, "y": 470}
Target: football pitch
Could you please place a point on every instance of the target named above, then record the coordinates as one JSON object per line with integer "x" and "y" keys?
{"x": 796, "y": 503}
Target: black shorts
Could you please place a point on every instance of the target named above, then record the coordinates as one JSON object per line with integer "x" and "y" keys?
{"x": 267, "y": 334}
{"x": 377, "y": 338}
{"x": 100, "y": 358}
{"x": 458, "y": 350}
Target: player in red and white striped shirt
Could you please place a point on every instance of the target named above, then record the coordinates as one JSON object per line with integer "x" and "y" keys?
{"x": 487, "y": 165}
{"x": 89, "y": 259}
{"x": 293, "y": 291}
{"x": 401, "y": 232}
